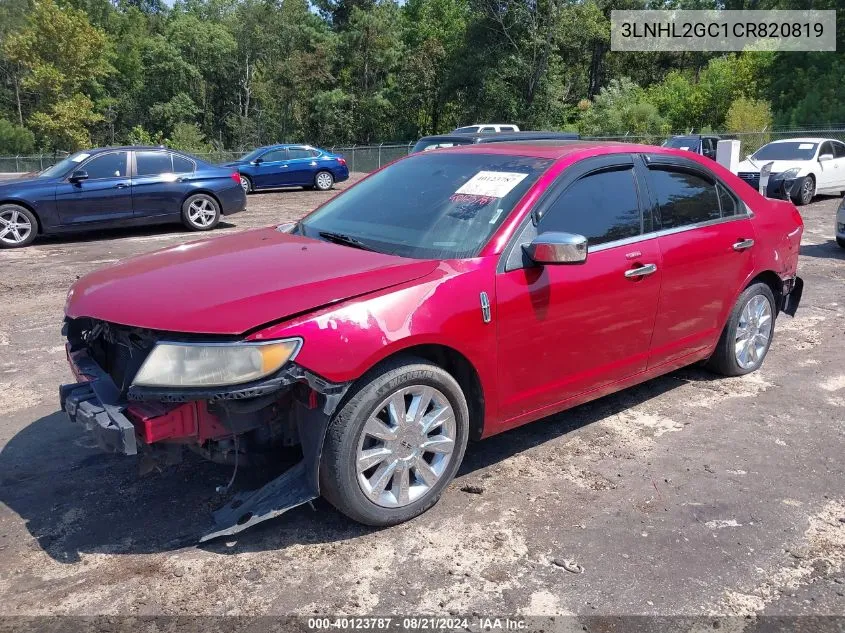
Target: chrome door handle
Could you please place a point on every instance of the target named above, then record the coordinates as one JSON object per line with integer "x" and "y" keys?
{"x": 642, "y": 271}
{"x": 743, "y": 244}
{"x": 121, "y": 185}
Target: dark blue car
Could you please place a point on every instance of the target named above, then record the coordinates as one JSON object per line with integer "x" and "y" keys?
{"x": 277, "y": 166}
{"x": 117, "y": 186}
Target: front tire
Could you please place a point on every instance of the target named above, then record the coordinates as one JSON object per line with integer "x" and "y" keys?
{"x": 395, "y": 444}
{"x": 200, "y": 212}
{"x": 806, "y": 191}
{"x": 324, "y": 180}
{"x": 748, "y": 334}
{"x": 246, "y": 184}
{"x": 18, "y": 226}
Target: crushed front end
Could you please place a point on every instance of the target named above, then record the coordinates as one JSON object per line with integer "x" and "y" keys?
{"x": 231, "y": 424}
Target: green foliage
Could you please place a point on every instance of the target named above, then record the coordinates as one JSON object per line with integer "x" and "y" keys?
{"x": 189, "y": 138}
{"x": 239, "y": 73}
{"x": 621, "y": 108}
{"x": 749, "y": 115}
{"x": 14, "y": 139}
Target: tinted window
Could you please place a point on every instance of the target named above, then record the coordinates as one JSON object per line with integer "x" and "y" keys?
{"x": 111, "y": 165}
{"x": 826, "y": 148}
{"x": 153, "y": 163}
{"x": 602, "y": 207}
{"x": 838, "y": 150}
{"x": 298, "y": 152}
{"x": 182, "y": 165}
{"x": 684, "y": 198}
{"x": 786, "y": 151}
{"x": 275, "y": 155}
{"x": 431, "y": 204}
{"x": 728, "y": 203}
{"x": 683, "y": 142}
{"x": 313, "y": 153}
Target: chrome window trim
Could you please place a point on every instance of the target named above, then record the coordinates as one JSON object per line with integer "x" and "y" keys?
{"x": 664, "y": 232}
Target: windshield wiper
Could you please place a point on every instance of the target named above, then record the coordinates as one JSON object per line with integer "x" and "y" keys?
{"x": 346, "y": 240}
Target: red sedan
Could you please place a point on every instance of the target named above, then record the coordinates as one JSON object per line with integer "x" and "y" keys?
{"x": 454, "y": 294}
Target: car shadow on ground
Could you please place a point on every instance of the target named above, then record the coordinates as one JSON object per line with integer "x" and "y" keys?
{"x": 76, "y": 499}
{"x": 826, "y": 250}
{"x": 107, "y": 235}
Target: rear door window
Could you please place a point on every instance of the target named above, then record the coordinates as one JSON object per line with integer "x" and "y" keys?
{"x": 603, "y": 207}
{"x": 298, "y": 152}
{"x": 684, "y": 198}
{"x": 111, "y": 165}
{"x": 153, "y": 163}
{"x": 182, "y": 165}
{"x": 838, "y": 149}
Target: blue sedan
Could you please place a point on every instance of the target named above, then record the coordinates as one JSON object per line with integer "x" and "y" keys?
{"x": 277, "y": 166}
{"x": 114, "y": 187}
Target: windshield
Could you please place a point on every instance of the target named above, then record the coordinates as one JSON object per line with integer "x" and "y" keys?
{"x": 430, "y": 205}
{"x": 63, "y": 166}
{"x": 786, "y": 151}
{"x": 252, "y": 155}
{"x": 683, "y": 142}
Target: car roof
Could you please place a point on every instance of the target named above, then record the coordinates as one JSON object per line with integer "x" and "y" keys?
{"x": 556, "y": 149}
{"x": 502, "y": 136}
{"x": 127, "y": 148}
{"x": 801, "y": 139}
{"x": 286, "y": 145}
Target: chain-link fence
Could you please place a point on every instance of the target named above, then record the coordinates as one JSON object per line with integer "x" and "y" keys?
{"x": 367, "y": 158}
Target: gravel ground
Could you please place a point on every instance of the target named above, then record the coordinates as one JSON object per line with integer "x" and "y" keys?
{"x": 689, "y": 495}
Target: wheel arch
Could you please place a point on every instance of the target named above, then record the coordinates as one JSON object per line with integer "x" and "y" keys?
{"x": 775, "y": 284}
{"x": 458, "y": 366}
{"x": 205, "y": 191}
{"x": 29, "y": 208}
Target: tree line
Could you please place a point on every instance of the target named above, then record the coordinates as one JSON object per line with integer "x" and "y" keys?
{"x": 206, "y": 74}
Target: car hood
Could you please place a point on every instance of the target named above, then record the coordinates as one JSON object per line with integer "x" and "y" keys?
{"x": 778, "y": 166}
{"x": 14, "y": 182}
{"x": 229, "y": 285}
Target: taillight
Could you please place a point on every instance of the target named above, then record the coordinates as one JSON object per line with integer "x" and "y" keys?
{"x": 342, "y": 161}
{"x": 236, "y": 177}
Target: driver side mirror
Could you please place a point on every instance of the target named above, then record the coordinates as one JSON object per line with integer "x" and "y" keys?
{"x": 825, "y": 157}
{"x": 78, "y": 176}
{"x": 558, "y": 248}
{"x": 258, "y": 161}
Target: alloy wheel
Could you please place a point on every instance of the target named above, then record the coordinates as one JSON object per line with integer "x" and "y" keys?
{"x": 807, "y": 190}
{"x": 753, "y": 331}
{"x": 405, "y": 446}
{"x": 202, "y": 212}
{"x": 15, "y": 227}
{"x": 245, "y": 184}
{"x": 324, "y": 181}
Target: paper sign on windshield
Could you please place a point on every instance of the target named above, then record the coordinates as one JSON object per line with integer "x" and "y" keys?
{"x": 494, "y": 184}
{"x": 805, "y": 145}
{"x": 80, "y": 157}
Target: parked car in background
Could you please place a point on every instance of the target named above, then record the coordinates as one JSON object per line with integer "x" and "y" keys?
{"x": 117, "y": 186}
{"x": 486, "y": 128}
{"x": 276, "y": 166}
{"x": 802, "y": 167}
{"x": 438, "y": 141}
{"x": 697, "y": 143}
{"x": 454, "y": 294}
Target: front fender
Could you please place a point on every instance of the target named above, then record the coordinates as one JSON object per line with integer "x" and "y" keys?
{"x": 344, "y": 341}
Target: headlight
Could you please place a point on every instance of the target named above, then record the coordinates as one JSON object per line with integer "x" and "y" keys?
{"x": 790, "y": 173}
{"x": 213, "y": 364}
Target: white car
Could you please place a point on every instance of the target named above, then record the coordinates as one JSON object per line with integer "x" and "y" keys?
{"x": 802, "y": 166}
{"x": 486, "y": 128}
{"x": 840, "y": 225}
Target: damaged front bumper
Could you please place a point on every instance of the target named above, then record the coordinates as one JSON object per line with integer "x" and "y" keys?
{"x": 135, "y": 420}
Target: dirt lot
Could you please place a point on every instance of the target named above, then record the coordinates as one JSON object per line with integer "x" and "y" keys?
{"x": 687, "y": 495}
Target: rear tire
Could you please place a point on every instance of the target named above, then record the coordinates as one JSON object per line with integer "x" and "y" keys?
{"x": 841, "y": 241}
{"x": 743, "y": 347}
{"x": 18, "y": 226}
{"x": 246, "y": 184}
{"x": 372, "y": 466}
{"x": 324, "y": 180}
{"x": 200, "y": 212}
